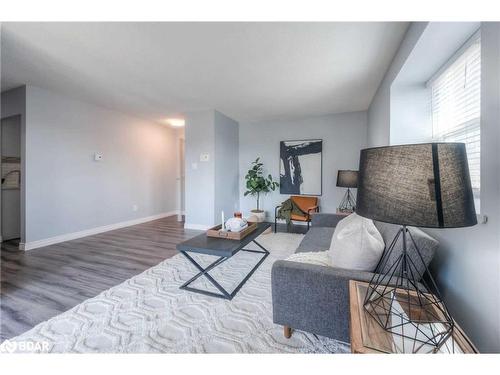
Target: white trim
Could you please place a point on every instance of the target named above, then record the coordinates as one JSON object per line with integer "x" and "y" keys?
{"x": 196, "y": 226}
{"x": 89, "y": 232}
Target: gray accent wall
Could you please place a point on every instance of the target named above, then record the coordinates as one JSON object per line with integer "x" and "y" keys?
{"x": 343, "y": 135}
{"x": 67, "y": 191}
{"x": 211, "y": 185}
{"x": 467, "y": 264}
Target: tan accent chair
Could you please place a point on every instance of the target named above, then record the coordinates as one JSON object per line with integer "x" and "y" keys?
{"x": 309, "y": 205}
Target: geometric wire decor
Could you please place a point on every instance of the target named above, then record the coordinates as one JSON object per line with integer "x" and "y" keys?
{"x": 348, "y": 203}
{"x": 407, "y": 303}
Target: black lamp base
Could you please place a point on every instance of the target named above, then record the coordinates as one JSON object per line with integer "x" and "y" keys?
{"x": 348, "y": 203}
{"x": 407, "y": 303}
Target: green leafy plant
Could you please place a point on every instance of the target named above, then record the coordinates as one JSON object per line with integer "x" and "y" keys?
{"x": 257, "y": 183}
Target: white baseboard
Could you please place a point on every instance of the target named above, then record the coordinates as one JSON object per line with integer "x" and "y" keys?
{"x": 89, "y": 232}
{"x": 196, "y": 226}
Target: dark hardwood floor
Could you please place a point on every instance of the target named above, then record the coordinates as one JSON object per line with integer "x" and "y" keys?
{"x": 41, "y": 283}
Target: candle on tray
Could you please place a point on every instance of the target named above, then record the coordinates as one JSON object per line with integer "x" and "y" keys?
{"x": 223, "y": 227}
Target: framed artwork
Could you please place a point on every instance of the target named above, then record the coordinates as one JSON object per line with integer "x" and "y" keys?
{"x": 301, "y": 167}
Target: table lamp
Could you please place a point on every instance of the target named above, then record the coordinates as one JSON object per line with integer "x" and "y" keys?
{"x": 347, "y": 179}
{"x": 422, "y": 185}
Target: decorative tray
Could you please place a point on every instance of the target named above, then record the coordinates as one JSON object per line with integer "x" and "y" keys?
{"x": 217, "y": 232}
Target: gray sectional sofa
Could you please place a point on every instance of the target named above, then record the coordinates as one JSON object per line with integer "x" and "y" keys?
{"x": 315, "y": 298}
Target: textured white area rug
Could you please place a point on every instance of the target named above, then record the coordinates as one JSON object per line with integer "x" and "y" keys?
{"x": 150, "y": 314}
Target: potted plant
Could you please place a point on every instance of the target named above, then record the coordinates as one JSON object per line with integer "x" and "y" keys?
{"x": 257, "y": 184}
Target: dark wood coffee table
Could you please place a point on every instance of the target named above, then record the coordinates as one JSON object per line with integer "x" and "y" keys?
{"x": 223, "y": 249}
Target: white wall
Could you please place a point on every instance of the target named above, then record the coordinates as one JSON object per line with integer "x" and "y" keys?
{"x": 67, "y": 191}
{"x": 344, "y": 135}
{"x": 467, "y": 265}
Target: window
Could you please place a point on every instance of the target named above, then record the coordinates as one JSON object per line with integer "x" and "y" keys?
{"x": 456, "y": 106}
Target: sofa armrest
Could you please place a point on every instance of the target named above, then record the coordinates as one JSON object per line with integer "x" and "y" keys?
{"x": 325, "y": 220}
{"x": 313, "y": 298}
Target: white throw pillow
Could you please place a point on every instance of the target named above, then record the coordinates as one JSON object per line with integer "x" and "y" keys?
{"x": 319, "y": 258}
{"x": 356, "y": 244}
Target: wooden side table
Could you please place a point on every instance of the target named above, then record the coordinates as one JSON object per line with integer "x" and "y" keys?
{"x": 368, "y": 337}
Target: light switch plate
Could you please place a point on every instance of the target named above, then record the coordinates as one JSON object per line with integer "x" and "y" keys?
{"x": 204, "y": 157}
{"x": 194, "y": 166}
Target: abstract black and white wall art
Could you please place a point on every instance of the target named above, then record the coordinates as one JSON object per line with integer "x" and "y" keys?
{"x": 300, "y": 167}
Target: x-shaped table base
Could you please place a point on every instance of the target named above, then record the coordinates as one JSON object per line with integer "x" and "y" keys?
{"x": 204, "y": 272}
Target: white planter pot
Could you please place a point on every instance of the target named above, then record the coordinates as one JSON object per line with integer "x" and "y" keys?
{"x": 259, "y": 214}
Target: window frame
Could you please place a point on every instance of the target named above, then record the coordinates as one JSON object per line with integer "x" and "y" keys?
{"x": 437, "y": 75}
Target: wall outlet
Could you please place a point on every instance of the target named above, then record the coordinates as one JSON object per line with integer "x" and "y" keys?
{"x": 204, "y": 157}
{"x": 97, "y": 156}
{"x": 135, "y": 207}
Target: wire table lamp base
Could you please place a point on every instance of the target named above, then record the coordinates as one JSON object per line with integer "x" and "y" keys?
{"x": 348, "y": 203}
{"x": 407, "y": 303}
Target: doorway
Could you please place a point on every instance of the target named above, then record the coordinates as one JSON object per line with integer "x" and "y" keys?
{"x": 181, "y": 180}
{"x": 10, "y": 168}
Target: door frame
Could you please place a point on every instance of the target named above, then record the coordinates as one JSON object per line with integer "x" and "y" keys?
{"x": 181, "y": 150}
{"x": 23, "y": 177}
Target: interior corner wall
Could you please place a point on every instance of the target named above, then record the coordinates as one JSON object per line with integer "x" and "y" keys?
{"x": 13, "y": 103}
{"x": 226, "y": 166}
{"x": 67, "y": 191}
{"x": 379, "y": 117}
{"x": 211, "y": 185}
{"x": 467, "y": 264}
{"x": 410, "y": 109}
{"x": 343, "y": 135}
{"x": 200, "y": 175}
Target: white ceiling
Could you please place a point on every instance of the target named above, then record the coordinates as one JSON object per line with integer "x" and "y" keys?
{"x": 249, "y": 71}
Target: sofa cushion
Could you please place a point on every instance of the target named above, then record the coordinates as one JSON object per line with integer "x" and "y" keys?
{"x": 356, "y": 244}
{"x": 316, "y": 239}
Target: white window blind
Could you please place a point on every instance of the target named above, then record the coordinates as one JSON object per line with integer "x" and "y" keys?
{"x": 456, "y": 106}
